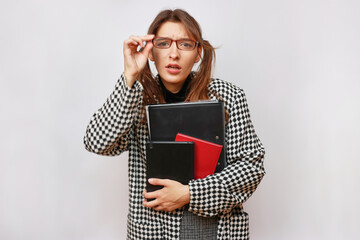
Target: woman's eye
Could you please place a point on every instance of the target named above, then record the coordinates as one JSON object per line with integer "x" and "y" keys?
{"x": 187, "y": 44}
{"x": 163, "y": 44}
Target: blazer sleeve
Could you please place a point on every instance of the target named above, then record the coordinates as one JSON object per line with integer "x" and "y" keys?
{"x": 221, "y": 192}
{"x": 108, "y": 130}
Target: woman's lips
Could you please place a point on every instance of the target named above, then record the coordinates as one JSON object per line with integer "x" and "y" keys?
{"x": 173, "y": 68}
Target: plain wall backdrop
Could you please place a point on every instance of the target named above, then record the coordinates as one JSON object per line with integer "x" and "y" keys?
{"x": 298, "y": 62}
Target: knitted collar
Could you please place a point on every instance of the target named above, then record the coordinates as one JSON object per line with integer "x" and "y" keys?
{"x": 175, "y": 97}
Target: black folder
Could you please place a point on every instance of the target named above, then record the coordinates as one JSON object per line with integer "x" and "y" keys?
{"x": 203, "y": 119}
{"x": 169, "y": 160}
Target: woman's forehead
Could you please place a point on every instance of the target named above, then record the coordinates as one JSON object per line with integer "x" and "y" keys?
{"x": 173, "y": 30}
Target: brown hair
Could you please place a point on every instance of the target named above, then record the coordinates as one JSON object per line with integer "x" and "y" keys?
{"x": 198, "y": 86}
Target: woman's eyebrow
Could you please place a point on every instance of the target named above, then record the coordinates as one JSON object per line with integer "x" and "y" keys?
{"x": 174, "y": 38}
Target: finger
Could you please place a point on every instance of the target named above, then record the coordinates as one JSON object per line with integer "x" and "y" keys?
{"x": 142, "y": 39}
{"x": 150, "y": 204}
{"x": 130, "y": 43}
{"x": 139, "y": 41}
{"x": 159, "y": 208}
{"x": 147, "y": 49}
{"x": 147, "y": 37}
{"x": 158, "y": 181}
{"x": 151, "y": 195}
{"x": 164, "y": 207}
{"x": 134, "y": 41}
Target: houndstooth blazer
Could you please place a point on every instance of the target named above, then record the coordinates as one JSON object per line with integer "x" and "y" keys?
{"x": 116, "y": 127}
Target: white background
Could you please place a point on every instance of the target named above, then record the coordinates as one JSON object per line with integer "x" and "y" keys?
{"x": 298, "y": 62}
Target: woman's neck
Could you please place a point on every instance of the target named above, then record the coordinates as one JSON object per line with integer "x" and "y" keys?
{"x": 175, "y": 95}
{"x": 173, "y": 87}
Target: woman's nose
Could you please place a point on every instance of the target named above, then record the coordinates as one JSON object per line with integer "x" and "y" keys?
{"x": 174, "y": 51}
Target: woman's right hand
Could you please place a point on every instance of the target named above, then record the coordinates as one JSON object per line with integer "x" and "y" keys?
{"x": 134, "y": 60}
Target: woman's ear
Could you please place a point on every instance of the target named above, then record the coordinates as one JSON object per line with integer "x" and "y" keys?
{"x": 151, "y": 57}
{"x": 198, "y": 57}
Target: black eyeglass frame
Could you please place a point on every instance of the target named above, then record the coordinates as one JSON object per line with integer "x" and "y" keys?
{"x": 196, "y": 43}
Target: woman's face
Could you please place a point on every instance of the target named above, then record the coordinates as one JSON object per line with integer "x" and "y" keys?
{"x": 172, "y": 64}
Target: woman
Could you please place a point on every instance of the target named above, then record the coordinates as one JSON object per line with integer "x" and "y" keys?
{"x": 208, "y": 208}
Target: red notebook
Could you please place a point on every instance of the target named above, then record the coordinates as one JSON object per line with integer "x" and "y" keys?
{"x": 206, "y": 155}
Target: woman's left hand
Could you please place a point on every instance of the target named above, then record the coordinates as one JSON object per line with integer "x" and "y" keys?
{"x": 172, "y": 196}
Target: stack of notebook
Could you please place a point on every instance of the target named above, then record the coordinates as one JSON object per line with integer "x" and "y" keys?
{"x": 187, "y": 140}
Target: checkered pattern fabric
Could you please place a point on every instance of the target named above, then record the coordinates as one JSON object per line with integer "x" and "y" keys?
{"x": 116, "y": 127}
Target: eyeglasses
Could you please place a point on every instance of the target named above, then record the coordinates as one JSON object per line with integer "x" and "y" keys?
{"x": 182, "y": 44}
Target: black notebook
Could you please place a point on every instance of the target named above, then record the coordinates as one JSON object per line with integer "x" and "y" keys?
{"x": 169, "y": 160}
{"x": 203, "y": 120}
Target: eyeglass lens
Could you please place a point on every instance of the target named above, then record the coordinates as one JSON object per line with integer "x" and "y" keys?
{"x": 182, "y": 44}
